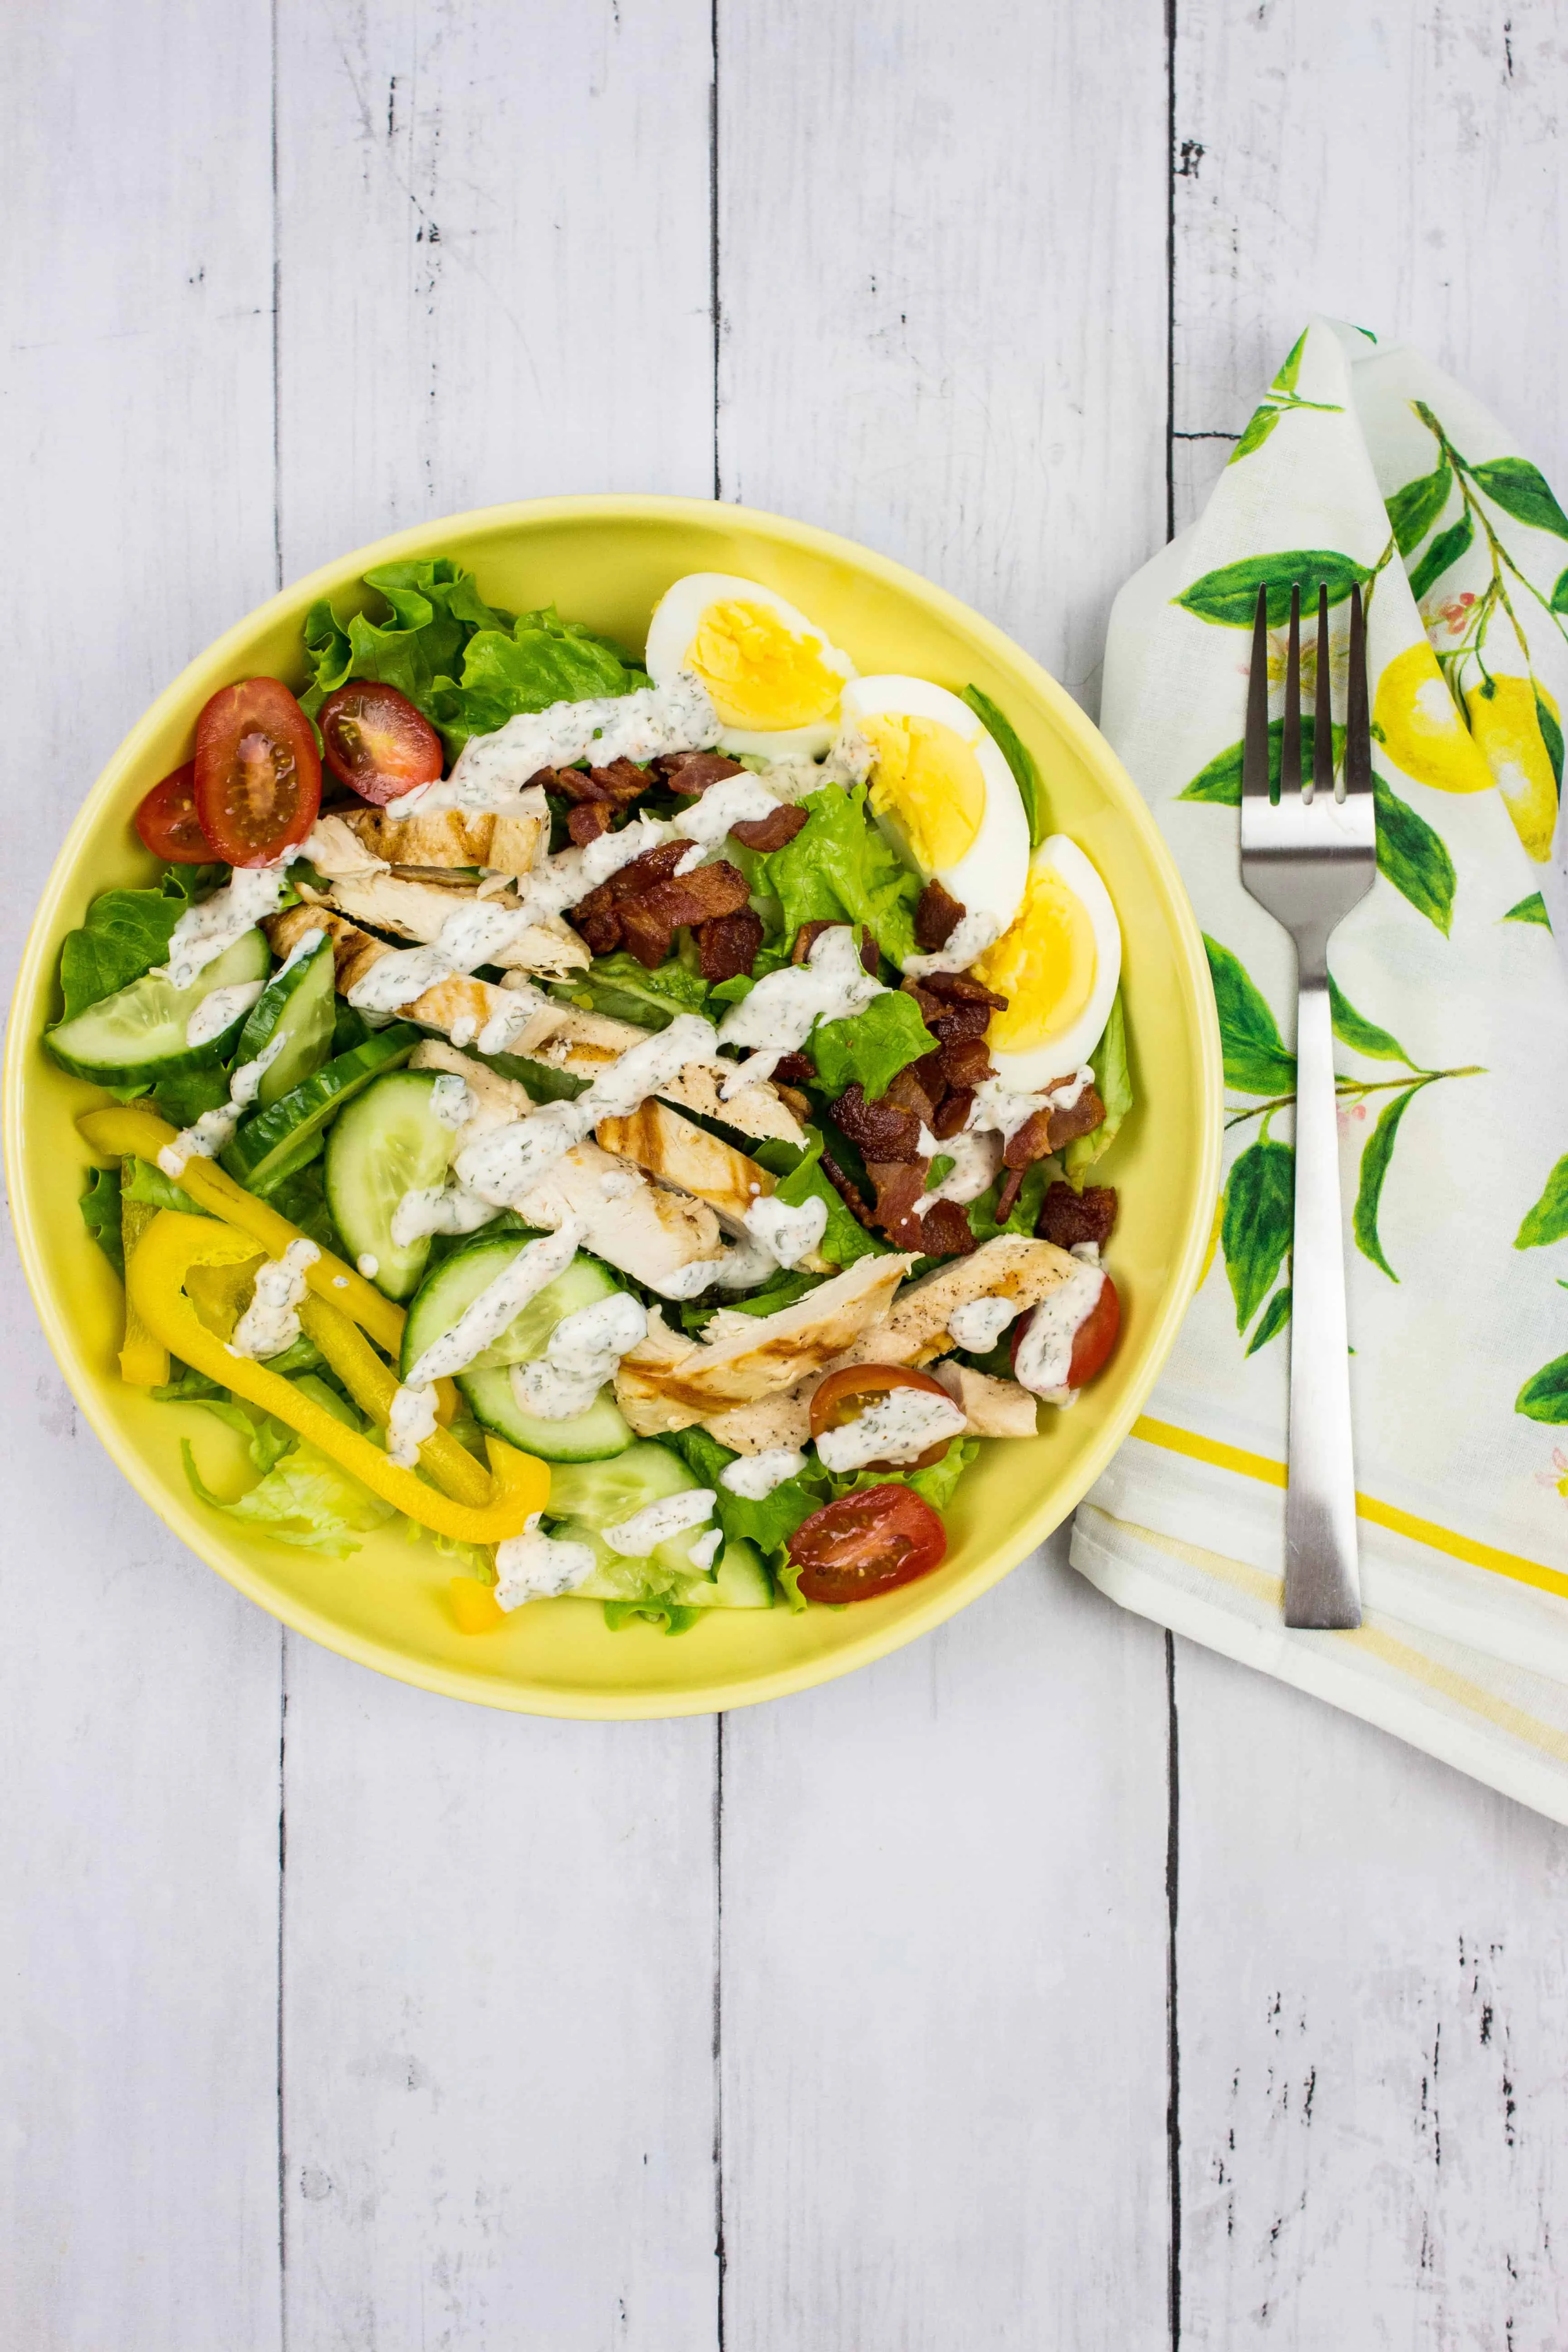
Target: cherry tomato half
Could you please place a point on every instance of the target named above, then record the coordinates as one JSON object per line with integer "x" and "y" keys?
{"x": 866, "y": 1543}
{"x": 375, "y": 741}
{"x": 259, "y": 773}
{"x": 1092, "y": 1341}
{"x": 844, "y": 1395}
{"x": 167, "y": 822}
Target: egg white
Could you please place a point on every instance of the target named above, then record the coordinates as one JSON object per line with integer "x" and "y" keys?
{"x": 673, "y": 629}
{"x": 989, "y": 878}
{"x": 1056, "y": 1056}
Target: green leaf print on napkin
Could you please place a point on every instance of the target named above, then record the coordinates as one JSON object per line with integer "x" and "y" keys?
{"x": 1530, "y": 910}
{"x": 1444, "y": 552}
{"x": 1560, "y": 593}
{"x": 1362, "y": 1036}
{"x": 1256, "y": 1060}
{"x": 1228, "y": 597}
{"x": 1412, "y": 857}
{"x": 1272, "y": 1321}
{"x": 1256, "y": 1228}
{"x": 1521, "y": 491}
{"x": 1544, "y": 1396}
{"x": 1277, "y": 401}
{"x": 1219, "y": 784}
{"x": 1414, "y": 510}
{"x": 1374, "y": 1162}
{"x": 1548, "y": 1221}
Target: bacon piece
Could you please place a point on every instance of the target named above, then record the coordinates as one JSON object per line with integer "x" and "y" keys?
{"x": 809, "y": 933}
{"x": 906, "y": 1089}
{"x": 597, "y": 917}
{"x": 965, "y": 1062}
{"x": 770, "y": 832}
{"x": 944, "y": 1230}
{"x": 794, "y": 1070}
{"x": 1068, "y": 1218}
{"x": 956, "y": 1023}
{"x": 881, "y": 1129}
{"x": 952, "y": 1111}
{"x": 693, "y": 772}
{"x": 846, "y": 1189}
{"x": 617, "y": 785}
{"x": 1006, "y": 1199}
{"x": 1082, "y": 1119}
{"x": 1030, "y": 1142}
{"x": 937, "y": 916}
{"x": 650, "y": 920}
{"x": 587, "y": 819}
{"x": 961, "y": 988}
{"x": 727, "y": 945}
{"x": 899, "y": 1184}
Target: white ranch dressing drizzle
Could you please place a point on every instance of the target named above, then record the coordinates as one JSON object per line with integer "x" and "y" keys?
{"x": 975, "y": 1160}
{"x": 898, "y": 1427}
{"x": 979, "y": 1323}
{"x": 537, "y": 1566}
{"x": 368, "y": 1264}
{"x": 492, "y": 771}
{"x": 754, "y": 1475}
{"x": 439, "y": 1209}
{"x": 975, "y": 931}
{"x": 703, "y": 1551}
{"x": 410, "y": 1421}
{"x": 452, "y": 1103}
{"x": 205, "y": 931}
{"x": 777, "y": 1016}
{"x": 218, "y": 1007}
{"x": 536, "y": 1266}
{"x": 214, "y": 1129}
{"x": 507, "y": 1024}
{"x": 656, "y": 1523}
{"x": 998, "y": 1109}
{"x": 731, "y": 801}
{"x": 270, "y": 1323}
{"x": 579, "y": 1356}
{"x": 1045, "y": 1352}
{"x": 787, "y": 1234}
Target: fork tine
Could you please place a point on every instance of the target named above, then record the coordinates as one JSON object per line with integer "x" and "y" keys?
{"x": 1254, "y": 749}
{"x": 1323, "y": 706}
{"x": 1291, "y": 734}
{"x": 1358, "y": 723}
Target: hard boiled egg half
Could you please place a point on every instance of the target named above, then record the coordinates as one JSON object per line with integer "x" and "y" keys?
{"x": 942, "y": 793}
{"x": 1057, "y": 966}
{"x": 771, "y": 674}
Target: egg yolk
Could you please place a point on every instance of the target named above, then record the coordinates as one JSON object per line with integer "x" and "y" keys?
{"x": 1044, "y": 966}
{"x": 927, "y": 782}
{"x": 758, "y": 673}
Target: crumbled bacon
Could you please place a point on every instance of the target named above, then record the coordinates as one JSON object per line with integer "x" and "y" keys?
{"x": 770, "y": 832}
{"x": 1082, "y": 1119}
{"x": 693, "y": 772}
{"x": 961, "y": 988}
{"x": 1030, "y": 1142}
{"x": 881, "y": 1129}
{"x": 846, "y": 1189}
{"x": 587, "y": 819}
{"x": 617, "y": 785}
{"x": 951, "y": 1112}
{"x": 795, "y": 1070}
{"x": 650, "y": 920}
{"x": 965, "y": 1062}
{"x": 937, "y": 916}
{"x": 598, "y": 918}
{"x": 1068, "y": 1218}
{"x": 809, "y": 933}
{"x": 944, "y": 1230}
{"x": 899, "y": 1185}
{"x": 1006, "y": 1199}
{"x": 727, "y": 945}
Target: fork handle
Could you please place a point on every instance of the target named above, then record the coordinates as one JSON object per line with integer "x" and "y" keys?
{"x": 1322, "y": 1582}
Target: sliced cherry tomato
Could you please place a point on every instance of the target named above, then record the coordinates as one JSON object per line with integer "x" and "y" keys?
{"x": 259, "y": 773}
{"x": 167, "y": 822}
{"x": 844, "y": 1395}
{"x": 375, "y": 741}
{"x": 1092, "y": 1341}
{"x": 866, "y": 1543}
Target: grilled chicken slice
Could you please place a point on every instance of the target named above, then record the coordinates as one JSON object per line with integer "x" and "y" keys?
{"x": 627, "y": 1219}
{"x": 334, "y": 848}
{"x": 678, "y": 1153}
{"x": 990, "y": 1408}
{"x": 783, "y": 1420}
{"x": 1012, "y": 1267}
{"x": 565, "y": 1038}
{"x": 666, "y": 1383}
{"x": 458, "y": 1007}
{"x": 507, "y": 845}
{"x": 416, "y": 911}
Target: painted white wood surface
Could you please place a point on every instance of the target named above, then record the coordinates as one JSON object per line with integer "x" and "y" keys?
{"x": 938, "y": 2114}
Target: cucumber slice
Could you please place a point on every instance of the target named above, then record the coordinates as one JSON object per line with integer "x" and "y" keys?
{"x": 137, "y": 1037}
{"x": 742, "y": 1582}
{"x": 593, "y": 1495}
{"x": 276, "y": 1143}
{"x": 387, "y": 1143}
{"x": 457, "y": 1282}
{"x": 298, "y": 1000}
{"x": 590, "y": 1436}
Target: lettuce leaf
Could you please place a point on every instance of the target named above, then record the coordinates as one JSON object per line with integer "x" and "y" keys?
{"x": 99, "y": 1206}
{"x": 305, "y": 1499}
{"x": 843, "y": 1237}
{"x": 667, "y": 1614}
{"x": 186, "y": 1386}
{"x": 181, "y": 1096}
{"x": 838, "y": 867}
{"x": 536, "y": 661}
{"x": 144, "y": 1180}
{"x": 1026, "y": 775}
{"x": 1113, "y": 1078}
{"x": 1026, "y": 1209}
{"x": 782, "y": 1289}
{"x": 433, "y": 610}
{"x": 302, "y": 1198}
{"x": 872, "y": 1046}
{"x": 125, "y": 934}
{"x": 624, "y": 990}
{"x": 770, "y": 1523}
{"x": 936, "y": 1485}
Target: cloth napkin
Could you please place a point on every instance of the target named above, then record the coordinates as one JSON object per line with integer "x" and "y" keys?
{"x": 1451, "y": 1020}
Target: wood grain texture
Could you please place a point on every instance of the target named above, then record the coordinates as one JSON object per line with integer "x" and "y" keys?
{"x": 941, "y": 238}
{"x": 494, "y": 258}
{"x": 139, "y": 1695}
{"x": 498, "y": 2051}
{"x": 943, "y": 1972}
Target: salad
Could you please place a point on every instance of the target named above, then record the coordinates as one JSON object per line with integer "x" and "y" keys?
{"x": 632, "y": 1121}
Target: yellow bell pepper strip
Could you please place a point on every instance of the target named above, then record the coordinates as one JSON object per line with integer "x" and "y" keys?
{"x": 171, "y": 1246}
{"x": 132, "y": 1129}
{"x": 144, "y": 1360}
{"x": 475, "y": 1606}
{"x": 373, "y": 1385}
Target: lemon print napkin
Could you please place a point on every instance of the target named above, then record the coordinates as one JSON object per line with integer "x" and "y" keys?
{"x": 1450, "y": 1005}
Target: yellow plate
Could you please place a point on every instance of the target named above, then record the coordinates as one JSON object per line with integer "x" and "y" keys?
{"x": 606, "y": 561}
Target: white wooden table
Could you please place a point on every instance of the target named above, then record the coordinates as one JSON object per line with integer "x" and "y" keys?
{"x": 1050, "y": 1985}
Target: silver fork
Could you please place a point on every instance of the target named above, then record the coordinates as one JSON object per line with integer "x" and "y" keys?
{"x": 1309, "y": 858}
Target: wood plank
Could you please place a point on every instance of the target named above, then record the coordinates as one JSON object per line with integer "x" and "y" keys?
{"x": 498, "y": 1984}
{"x": 942, "y": 293}
{"x": 1371, "y": 2045}
{"x": 499, "y": 1949}
{"x": 942, "y": 288}
{"x": 943, "y": 1972}
{"x": 495, "y": 258}
{"x": 140, "y": 1694}
{"x": 1373, "y": 2036}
